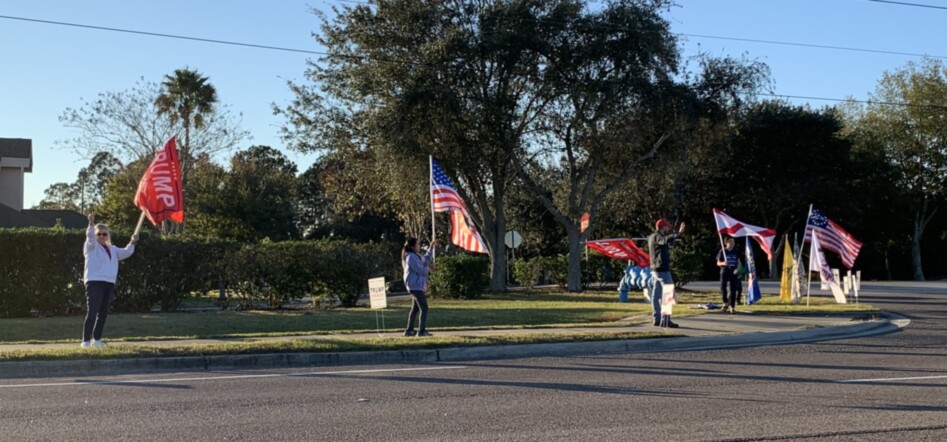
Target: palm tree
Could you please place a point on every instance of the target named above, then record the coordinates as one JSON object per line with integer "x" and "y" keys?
{"x": 186, "y": 97}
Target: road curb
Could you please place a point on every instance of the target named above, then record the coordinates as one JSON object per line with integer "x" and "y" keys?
{"x": 97, "y": 367}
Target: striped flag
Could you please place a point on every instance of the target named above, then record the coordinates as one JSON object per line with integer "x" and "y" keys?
{"x": 817, "y": 263}
{"x": 730, "y": 226}
{"x": 444, "y": 198}
{"x": 465, "y": 235}
{"x": 833, "y": 237}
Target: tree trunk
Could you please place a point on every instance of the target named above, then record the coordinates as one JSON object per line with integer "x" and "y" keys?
{"x": 498, "y": 247}
{"x": 574, "y": 275}
{"x": 916, "y": 247}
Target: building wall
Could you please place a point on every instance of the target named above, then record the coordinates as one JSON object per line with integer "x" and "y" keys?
{"x": 11, "y": 187}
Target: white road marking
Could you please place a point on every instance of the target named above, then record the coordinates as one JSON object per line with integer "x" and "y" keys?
{"x": 217, "y": 378}
{"x": 850, "y": 381}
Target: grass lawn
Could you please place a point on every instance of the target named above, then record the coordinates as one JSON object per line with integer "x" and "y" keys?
{"x": 336, "y": 344}
{"x": 508, "y": 310}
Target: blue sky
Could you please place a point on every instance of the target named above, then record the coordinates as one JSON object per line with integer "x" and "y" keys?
{"x": 48, "y": 68}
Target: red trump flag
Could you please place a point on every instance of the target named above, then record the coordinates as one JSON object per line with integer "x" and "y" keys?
{"x": 159, "y": 193}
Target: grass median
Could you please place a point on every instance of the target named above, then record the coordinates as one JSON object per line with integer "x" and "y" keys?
{"x": 533, "y": 310}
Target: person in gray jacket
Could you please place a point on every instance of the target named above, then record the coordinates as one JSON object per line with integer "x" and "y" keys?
{"x": 417, "y": 267}
{"x": 99, "y": 274}
{"x": 659, "y": 244}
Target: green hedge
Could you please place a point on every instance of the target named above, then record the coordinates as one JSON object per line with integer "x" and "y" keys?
{"x": 41, "y": 271}
{"x": 461, "y": 276}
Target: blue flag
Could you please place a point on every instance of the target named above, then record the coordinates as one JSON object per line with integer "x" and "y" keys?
{"x": 752, "y": 285}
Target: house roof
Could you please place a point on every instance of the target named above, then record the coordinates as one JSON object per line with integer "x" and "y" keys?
{"x": 10, "y": 217}
{"x": 16, "y": 152}
{"x": 69, "y": 219}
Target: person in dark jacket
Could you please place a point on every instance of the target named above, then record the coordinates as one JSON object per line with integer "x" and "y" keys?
{"x": 729, "y": 260}
{"x": 659, "y": 244}
{"x": 417, "y": 267}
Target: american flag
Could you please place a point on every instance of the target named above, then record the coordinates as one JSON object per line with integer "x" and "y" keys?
{"x": 833, "y": 237}
{"x": 444, "y": 198}
{"x": 443, "y": 193}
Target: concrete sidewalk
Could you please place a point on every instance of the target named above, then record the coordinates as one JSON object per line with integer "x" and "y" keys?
{"x": 709, "y": 331}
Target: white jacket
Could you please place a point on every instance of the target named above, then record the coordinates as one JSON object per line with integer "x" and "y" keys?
{"x": 98, "y": 265}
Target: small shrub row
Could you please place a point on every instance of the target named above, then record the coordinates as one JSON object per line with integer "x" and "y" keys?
{"x": 41, "y": 271}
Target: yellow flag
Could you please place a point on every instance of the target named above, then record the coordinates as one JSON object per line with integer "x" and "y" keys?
{"x": 785, "y": 287}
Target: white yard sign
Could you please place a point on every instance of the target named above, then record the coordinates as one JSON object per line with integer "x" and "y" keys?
{"x": 376, "y": 293}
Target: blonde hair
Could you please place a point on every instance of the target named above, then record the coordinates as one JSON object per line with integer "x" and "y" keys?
{"x": 103, "y": 228}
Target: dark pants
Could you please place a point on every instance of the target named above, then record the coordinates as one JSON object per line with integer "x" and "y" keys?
{"x": 418, "y": 306}
{"x": 727, "y": 278}
{"x": 99, "y": 295}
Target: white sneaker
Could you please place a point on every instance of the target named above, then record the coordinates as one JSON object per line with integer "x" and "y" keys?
{"x": 98, "y": 343}
{"x": 85, "y": 344}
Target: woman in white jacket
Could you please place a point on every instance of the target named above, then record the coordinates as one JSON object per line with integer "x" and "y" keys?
{"x": 101, "y": 270}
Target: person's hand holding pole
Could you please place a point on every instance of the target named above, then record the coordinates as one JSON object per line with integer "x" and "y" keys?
{"x": 680, "y": 231}
{"x": 91, "y": 217}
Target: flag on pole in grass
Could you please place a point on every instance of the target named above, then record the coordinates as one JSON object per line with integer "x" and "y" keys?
{"x": 159, "y": 193}
{"x": 798, "y": 272}
{"x": 817, "y": 263}
{"x": 752, "y": 284}
{"x": 785, "y": 285}
{"x": 444, "y": 198}
{"x": 730, "y": 226}
{"x": 833, "y": 237}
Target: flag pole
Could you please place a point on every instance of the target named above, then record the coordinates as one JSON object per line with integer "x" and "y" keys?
{"x": 801, "y": 248}
{"x": 431, "y": 194}
{"x": 723, "y": 248}
{"x": 141, "y": 220}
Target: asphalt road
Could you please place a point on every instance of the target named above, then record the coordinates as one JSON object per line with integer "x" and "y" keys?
{"x": 889, "y": 387}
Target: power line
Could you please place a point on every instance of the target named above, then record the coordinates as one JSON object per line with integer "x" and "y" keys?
{"x": 852, "y": 100}
{"x": 909, "y": 4}
{"x": 304, "y": 51}
{"x": 808, "y": 45}
{"x": 156, "y": 34}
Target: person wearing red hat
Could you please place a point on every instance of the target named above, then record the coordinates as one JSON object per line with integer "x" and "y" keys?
{"x": 659, "y": 244}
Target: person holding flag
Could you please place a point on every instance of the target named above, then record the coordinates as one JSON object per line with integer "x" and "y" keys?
{"x": 659, "y": 244}
{"x": 729, "y": 261}
{"x": 99, "y": 274}
{"x": 417, "y": 267}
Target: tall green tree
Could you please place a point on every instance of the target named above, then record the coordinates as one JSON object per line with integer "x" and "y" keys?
{"x": 187, "y": 97}
{"x": 410, "y": 78}
{"x": 913, "y": 136}
{"x": 86, "y": 193}
{"x": 610, "y": 80}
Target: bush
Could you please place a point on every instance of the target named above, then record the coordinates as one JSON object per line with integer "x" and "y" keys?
{"x": 527, "y": 271}
{"x": 272, "y": 273}
{"x": 346, "y": 268}
{"x": 41, "y": 271}
{"x": 461, "y": 276}
{"x": 165, "y": 269}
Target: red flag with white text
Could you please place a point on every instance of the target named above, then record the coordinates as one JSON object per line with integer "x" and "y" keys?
{"x": 160, "y": 194}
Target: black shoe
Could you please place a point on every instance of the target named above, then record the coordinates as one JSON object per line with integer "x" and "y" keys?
{"x": 671, "y": 324}
{"x": 423, "y": 333}
{"x": 657, "y": 323}
{"x": 409, "y": 333}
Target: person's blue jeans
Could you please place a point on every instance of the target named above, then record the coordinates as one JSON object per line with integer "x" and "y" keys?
{"x": 658, "y": 280}
{"x": 99, "y": 295}
{"x": 418, "y": 307}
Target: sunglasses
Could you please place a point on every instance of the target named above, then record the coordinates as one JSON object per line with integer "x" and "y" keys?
{"x": 102, "y": 234}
